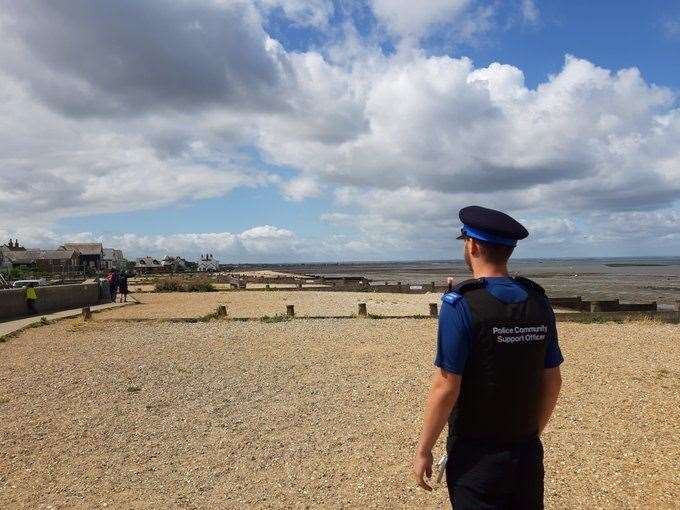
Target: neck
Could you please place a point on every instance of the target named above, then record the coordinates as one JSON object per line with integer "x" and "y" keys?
{"x": 490, "y": 271}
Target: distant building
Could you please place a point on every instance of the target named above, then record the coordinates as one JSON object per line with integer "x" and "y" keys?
{"x": 149, "y": 265}
{"x": 12, "y": 246}
{"x": 208, "y": 264}
{"x": 112, "y": 259}
{"x": 49, "y": 261}
{"x": 91, "y": 254}
{"x": 174, "y": 264}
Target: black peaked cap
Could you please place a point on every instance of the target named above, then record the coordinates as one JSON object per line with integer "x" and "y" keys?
{"x": 494, "y": 222}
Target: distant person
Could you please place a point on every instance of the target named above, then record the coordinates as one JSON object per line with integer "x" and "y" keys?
{"x": 31, "y": 298}
{"x": 497, "y": 378}
{"x": 123, "y": 286}
{"x": 112, "y": 278}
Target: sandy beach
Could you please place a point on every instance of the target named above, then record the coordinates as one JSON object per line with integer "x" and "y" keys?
{"x": 304, "y": 414}
{"x": 260, "y": 303}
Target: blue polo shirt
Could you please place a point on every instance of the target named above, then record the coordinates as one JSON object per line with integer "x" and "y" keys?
{"x": 455, "y": 327}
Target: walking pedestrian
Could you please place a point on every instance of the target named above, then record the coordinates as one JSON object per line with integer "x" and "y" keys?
{"x": 123, "y": 286}
{"x": 112, "y": 278}
{"x": 31, "y": 298}
{"x": 497, "y": 376}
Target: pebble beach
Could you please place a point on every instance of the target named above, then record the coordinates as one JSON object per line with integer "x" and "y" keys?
{"x": 304, "y": 414}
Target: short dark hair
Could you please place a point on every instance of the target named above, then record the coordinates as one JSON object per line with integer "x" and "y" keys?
{"x": 495, "y": 253}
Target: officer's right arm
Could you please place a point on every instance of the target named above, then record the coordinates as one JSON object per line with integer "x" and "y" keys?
{"x": 453, "y": 340}
{"x": 551, "y": 382}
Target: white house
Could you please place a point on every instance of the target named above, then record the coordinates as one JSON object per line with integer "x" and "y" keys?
{"x": 208, "y": 263}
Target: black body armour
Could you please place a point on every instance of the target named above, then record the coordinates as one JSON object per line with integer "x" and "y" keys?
{"x": 500, "y": 389}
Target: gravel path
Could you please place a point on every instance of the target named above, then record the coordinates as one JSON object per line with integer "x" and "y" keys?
{"x": 305, "y": 414}
{"x": 258, "y": 304}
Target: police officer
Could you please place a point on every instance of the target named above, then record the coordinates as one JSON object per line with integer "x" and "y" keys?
{"x": 497, "y": 375}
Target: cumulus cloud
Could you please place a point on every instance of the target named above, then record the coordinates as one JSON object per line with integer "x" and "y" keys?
{"x": 587, "y": 138}
{"x": 53, "y": 166}
{"x": 314, "y": 13}
{"x": 415, "y": 18}
{"x": 300, "y": 188}
{"x": 93, "y": 57}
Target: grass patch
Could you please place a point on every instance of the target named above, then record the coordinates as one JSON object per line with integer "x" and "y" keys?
{"x": 275, "y": 318}
{"x": 44, "y": 321}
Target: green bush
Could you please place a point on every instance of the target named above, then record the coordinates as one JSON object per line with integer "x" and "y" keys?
{"x": 169, "y": 285}
{"x": 175, "y": 285}
{"x": 199, "y": 287}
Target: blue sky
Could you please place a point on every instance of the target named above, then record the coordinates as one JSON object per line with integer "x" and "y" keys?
{"x": 284, "y": 130}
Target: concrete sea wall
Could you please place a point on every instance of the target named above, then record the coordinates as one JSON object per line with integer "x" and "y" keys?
{"x": 50, "y": 299}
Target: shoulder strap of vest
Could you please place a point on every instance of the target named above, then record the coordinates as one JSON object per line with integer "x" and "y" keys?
{"x": 468, "y": 285}
{"x": 457, "y": 292}
{"x": 529, "y": 284}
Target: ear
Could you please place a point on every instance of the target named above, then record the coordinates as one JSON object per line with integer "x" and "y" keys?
{"x": 474, "y": 247}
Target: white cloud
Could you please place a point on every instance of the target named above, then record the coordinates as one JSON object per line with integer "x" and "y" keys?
{"x": 587, "y": 138}
{"x": 300, "y": 188}
{"x": 530, "y": 12}
{"x": 54, "y": 167}
{"x": 314, "y": 13}
{"x": 671, "y": 27}
{"x": 413, "y": 19}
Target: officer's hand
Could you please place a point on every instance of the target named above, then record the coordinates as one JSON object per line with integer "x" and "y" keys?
{"x": 422, "y": 466}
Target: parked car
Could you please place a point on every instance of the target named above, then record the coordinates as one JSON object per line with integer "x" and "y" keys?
{"x": 24, "y": 283}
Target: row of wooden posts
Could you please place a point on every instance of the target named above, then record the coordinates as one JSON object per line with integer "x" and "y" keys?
{"x": 362, "y": 310}
{"x": 290, "y": 311}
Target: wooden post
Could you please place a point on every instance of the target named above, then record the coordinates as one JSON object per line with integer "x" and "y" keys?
{"x": 398, "y": 286}
{"x": 432, "y": 286}
{"x": 595, "y": 306}
{"x": 86, "y": 313}
{"x": 362, "y": 310}
{"x": 299, "y": 286}
{"x": 433, "y": 310}
{"x": 290, "y": 310}
{"x": 221, "y": 311}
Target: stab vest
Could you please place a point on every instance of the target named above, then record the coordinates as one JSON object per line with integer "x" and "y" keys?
{"x": 500, "y": 388}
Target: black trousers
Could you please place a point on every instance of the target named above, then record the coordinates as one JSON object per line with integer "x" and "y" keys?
{"x": 483, "y": 475}
{"x": 30, "y": 304}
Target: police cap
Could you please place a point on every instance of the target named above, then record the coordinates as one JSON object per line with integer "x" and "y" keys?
{"x": 491, "y": 226}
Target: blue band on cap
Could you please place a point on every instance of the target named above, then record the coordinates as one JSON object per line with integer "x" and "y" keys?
{"x": 485, "y": 236}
